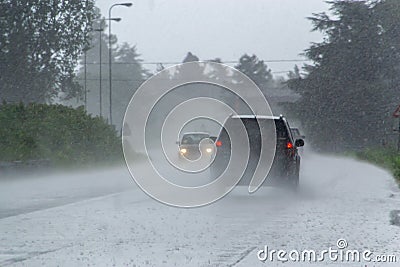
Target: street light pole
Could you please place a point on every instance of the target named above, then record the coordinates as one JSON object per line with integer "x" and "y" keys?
{"x": 110, "y": 53}
{"x": 85, "y": 76}
{"x": 100, "y": 30}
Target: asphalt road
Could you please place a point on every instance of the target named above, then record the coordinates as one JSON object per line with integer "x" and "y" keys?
{"x": 102, "y": 218}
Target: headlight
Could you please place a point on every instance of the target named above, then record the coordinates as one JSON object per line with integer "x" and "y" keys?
{"x": 183, "y": 150}
{"x": 209, "y": 150}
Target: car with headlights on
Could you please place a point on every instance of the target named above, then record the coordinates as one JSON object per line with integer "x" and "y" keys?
{"x": 193, "y": 144}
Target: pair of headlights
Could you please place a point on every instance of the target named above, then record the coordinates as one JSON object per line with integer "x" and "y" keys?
{"x": 184, "y": 150}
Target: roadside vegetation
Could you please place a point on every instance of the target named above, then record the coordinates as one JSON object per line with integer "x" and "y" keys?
{"x": 350, "y": 91}
{"x": 343, "y": 98}
{"x": 388, "y": 158}
{"x": 62, "y": 135}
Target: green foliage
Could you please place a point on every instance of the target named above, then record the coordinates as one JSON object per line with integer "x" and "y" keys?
{"x": 388, "y": 158}
{"x": 40, "y": 42}
{"x": 127, "y": 73}
{"x": 294, "y": 74}
{"x": 256, "y": 70}
{"x": 61, "y": 134}
{"x": 349, "y": 92}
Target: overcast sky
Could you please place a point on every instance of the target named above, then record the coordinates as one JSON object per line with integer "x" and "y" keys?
{"x": 165, "y": 30}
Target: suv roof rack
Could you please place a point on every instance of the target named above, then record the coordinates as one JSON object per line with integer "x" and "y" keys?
{"x": 256, "y": 117}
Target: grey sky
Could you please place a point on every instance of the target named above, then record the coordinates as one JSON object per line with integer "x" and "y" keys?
{"x": 165, "y": 30}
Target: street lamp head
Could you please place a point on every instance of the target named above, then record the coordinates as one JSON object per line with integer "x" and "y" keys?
{"x": 126, "y": 4}
{"x": 116, "y": 19}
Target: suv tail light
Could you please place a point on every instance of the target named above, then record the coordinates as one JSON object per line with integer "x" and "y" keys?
{"x": 290, "y": 151}
{"x": 218, "y": 143}
{"x": 289, "y": 145}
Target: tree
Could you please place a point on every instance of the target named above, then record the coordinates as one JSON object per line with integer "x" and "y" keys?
{"x": 39, "y": 47}
{"x": 344, "y": 103}
{"x": 128, "y": 74}
{"x": 190, "y": 58}
{"x": 256, "y": 70}
{"x": 295, "y": 73}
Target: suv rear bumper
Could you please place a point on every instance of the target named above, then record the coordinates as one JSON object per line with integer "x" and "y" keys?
{"x": 282, "y": 172}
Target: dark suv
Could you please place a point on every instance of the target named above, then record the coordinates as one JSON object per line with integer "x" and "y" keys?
{"x": 286, "y": 163}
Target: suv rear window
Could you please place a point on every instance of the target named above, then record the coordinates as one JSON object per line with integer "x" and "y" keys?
{"x": 252, "y": 126}
{"x": 253, "y": 130}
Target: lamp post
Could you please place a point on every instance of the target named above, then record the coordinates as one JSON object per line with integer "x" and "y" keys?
{"x": 110, "y": 51}
{"x": 100, "y": 30}
{"x": 85, "y": 75}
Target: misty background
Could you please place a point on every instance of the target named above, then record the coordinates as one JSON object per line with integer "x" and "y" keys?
{"x": 331, "y": 68}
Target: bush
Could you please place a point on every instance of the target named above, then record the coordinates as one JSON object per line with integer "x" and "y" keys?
{"x": 61, "y": 134}
{"x": 388, "y": 158}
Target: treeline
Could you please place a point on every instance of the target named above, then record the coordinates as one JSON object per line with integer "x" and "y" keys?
{"x": 50, "y": 53}
{"x": 43, "y": 43}
{"x": 351, "y": 90}
{"x": 347, "y": 94}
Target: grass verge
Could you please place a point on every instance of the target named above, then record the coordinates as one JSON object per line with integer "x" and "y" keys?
{"x": 387, "y": 158}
